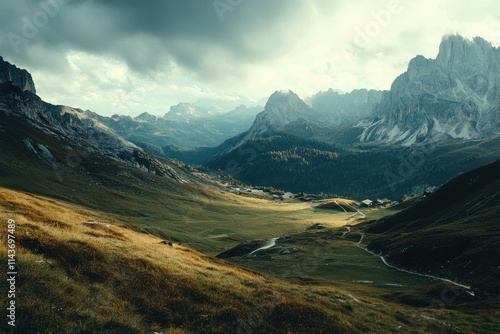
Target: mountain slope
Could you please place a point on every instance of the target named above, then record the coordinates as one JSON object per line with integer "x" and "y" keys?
{"x": 72, "y": 130}
{"x": 303, "y": 165}
{"x": 85, "y": 271}
{"x": 452, "y": 232}
{"x": 452, "y": 96}
{"x": 70, "y": 135}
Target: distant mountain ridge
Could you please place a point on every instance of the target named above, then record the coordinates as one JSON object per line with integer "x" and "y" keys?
{"x": 188, "y": 111}
{"x": 285, "y": 112}
{"x": 186, "y": 125}
{"x": 339, "y": 109}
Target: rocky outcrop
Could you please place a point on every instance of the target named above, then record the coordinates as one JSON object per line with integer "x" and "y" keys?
{"x": 456, "y": 95}
{"x": 283, "y": 109}
{"x": 18, "y": 77}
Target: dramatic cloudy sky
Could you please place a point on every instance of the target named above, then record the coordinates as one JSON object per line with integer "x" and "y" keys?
{"x": 130, "y": 56}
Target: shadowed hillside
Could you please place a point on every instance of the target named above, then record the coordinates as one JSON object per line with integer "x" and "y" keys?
{"x": 453, "y": 232}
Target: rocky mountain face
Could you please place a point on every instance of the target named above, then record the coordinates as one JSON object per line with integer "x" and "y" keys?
{"x": 286, "y": 113}
{"x": 18, "y": 77}
{"x": 70, "y": 129}
{"x": 338, "y": 109}
{"x": 456, "y": 95}
{"x": 283, "y": 110}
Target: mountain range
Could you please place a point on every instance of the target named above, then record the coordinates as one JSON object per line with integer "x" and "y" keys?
{"x": 442, "y": 108}
{"x": 186, "y": 125}
{"x": 454, "y": 96}
{"x": 451, "y": 97}
{"x": 112, "y": 238}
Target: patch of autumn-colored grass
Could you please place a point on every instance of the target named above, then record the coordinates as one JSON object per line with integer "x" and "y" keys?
{"x": 102, "y": 277}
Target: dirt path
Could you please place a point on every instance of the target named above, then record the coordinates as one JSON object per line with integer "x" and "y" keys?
{"x": 271, "y": 243}
{"x": 358, "y": 244}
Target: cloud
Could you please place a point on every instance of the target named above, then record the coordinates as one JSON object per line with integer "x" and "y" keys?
{"x": 157, "y": 32}
{"x": 130, "y": 56}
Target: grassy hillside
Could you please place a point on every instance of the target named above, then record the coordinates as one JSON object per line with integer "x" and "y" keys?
{"x": 453, "y": 232}
{"x": 194, "y": 212}
{"x": 81, "y": 270}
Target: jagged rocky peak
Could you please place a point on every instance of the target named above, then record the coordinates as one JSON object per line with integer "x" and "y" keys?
{"x": 286, "y": 97}
{"x": 19, "y": 77}
{"x": 282, "y": 109}
{"x": 285, "y": 106}
{"x": 455, "y": 49}
{"x": 455, "y": 96}
{"x": 418, "y": 64}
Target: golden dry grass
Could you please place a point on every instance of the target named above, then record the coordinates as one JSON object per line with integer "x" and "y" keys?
{"x": 82, "y": 270}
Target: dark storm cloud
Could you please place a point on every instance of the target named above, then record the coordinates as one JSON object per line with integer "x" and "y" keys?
{"x": 200, "y": 35}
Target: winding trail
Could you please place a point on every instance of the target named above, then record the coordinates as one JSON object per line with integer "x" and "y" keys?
{"x": 357, "y": 212}
{"x": 340, "y": 206}
{"x": 270, "y": 243}
{"x": 358, "y": 244}
{"x": 348, "y": 231}
{"x": 418, "y": 274}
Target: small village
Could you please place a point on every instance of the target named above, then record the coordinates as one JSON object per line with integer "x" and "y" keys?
{"x": 233, "y": 186}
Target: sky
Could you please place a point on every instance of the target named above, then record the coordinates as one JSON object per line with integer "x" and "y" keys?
{"x": 129, "y": 56}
